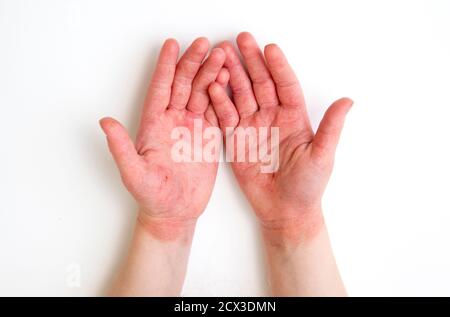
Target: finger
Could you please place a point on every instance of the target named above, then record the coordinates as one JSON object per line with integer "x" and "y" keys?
{"x": 287, "y": 85}
{"x": 199, "y": 100}
{"x": 210, "y": 116}
{"x": 223, "y": 78}
{"x": 240, "y": 84}
{"x": 263, "y": 85}
{"x": 223, "y": 107}
{"x": 186, "y": 70}
{"x": 327, "y": 136}
{"x": 121, "y": 147}
{"x": 158, "y": 95}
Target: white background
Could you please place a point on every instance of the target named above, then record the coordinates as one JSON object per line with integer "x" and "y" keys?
{"x": 65, "y": 64}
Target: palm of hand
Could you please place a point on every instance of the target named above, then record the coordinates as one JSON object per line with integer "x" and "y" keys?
{"x": 270, "y": 96}
{"x": 293, "y": 181}
{"x": 164, "y": 188}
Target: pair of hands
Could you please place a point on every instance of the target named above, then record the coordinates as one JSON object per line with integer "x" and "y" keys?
{"x": 265, "y": 93}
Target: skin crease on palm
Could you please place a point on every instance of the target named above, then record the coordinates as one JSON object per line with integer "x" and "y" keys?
{"x": 265, "y": 93}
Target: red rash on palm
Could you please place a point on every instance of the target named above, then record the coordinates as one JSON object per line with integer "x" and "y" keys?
{"x": 266, "y": 93}
{"x": 287, "y": 201}
{"x": 171, "y": 196}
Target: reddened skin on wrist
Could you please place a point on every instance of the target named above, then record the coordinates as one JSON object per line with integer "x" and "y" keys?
{"x": 286, "y": 232}
{"x": 167, "y": 229}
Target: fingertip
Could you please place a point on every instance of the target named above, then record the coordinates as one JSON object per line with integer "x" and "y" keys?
{"x": 345, "y": 102}
{"x": 273, "y": 54}
{"x": 227, "y": 46}
{"x": 201, "y": 44}
{"x": 171, "y": 44}
{"x": 111, "y": 127}
{"x": 231, "y": 54}
{"x": 218, "y": 53}
{"x": 244, "y": 34}
{"x": 223, "y": 77}
{"x": 271, "y": 50}
{"x": 103, "y": 121}
{"x": 348, "y": 101}
{"x": 245, "y": 40}
{"x": 106, "y": 124}
{"x": 214, "y": 89}
{"x": 169, "y": 51}
{"x": 270, "y": 46}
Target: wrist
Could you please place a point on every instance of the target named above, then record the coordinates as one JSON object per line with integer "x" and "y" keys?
{"x": 160, "y": 247}
{"x": 167, "y": 229}
{"x": 305, "y": 268}
{"x": 299, "y": 226}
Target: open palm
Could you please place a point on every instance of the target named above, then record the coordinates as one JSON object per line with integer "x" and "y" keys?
{"x": 167, "y": 190}
{"x": 272, "y": 97}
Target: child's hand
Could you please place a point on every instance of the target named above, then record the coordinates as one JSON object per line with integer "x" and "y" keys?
{"x": 170, "y": 195}
{"x": 290, "y": 197}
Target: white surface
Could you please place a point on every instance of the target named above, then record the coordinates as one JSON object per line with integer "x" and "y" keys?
{"x": 65, "y": 64}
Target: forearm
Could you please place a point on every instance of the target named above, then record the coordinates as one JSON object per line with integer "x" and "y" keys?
{"x": 301, "y": 261}
{"x": 156, "y": 262}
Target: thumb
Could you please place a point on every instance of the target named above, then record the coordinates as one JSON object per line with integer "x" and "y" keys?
{"x": 327, "y": 135}
{"x": 120, "y": 145}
